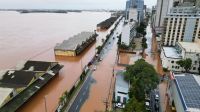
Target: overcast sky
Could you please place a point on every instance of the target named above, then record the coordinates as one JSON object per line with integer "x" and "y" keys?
{"x": 68, "y": 4}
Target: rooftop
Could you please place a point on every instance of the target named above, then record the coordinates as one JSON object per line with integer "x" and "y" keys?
{"x": 4, "y": 93}
{"x": 121, "y": 83}
{"x": 190, "y": 47}
{"x": 73, "y": 42}
{"x": 189, "y": 89}
{"x": 38, "y": 65}
{"x": 17, "y": 79}
{"x": 171, "y": 52}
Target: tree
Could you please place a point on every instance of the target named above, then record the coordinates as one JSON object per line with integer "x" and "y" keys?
{"x": 123, "y": 46}
{"x": 144, "y": 44}
{"x": 143, "y": 78}
{"x": 134, "y": 106}
{"x": 185, "y": 63}
{"x": 165, "y": 69}
{"x": 99, "y": 48}
{"x": 188, "y": 64}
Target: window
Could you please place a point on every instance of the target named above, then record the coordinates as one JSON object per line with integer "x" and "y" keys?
{"x": 172, "y": 66}
{"x": 118, "y": 98}
{"x": 194, "y": 68}
{"x": 124, "y": 100}
{"x": 172, "y": 61}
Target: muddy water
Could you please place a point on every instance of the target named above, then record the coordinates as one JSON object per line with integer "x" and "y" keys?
{"x": 100, "y": 91}
{"x": 33, "y": 36}
{"x": 152, "y": 54}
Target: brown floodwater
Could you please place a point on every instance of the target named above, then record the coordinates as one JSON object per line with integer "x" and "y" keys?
{"x": 33, "y": 36}
{"x": 102, "y": 89}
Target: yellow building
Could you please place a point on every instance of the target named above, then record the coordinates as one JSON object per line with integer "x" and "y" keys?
{"x": 75, "y": 45}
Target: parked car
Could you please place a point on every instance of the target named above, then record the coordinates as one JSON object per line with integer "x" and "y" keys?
{"x": 147, "y": 105}
{"x": 120, "y": 105}
{"x": 94, "y": 68}
{"x": 157, "y": 97}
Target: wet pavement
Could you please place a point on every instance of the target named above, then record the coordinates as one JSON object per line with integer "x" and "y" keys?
{"x": 100, "y": 91}
{"x": 153, "y": 57}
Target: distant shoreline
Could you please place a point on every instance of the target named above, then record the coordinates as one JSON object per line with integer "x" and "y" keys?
{"x": 23, "y": 11}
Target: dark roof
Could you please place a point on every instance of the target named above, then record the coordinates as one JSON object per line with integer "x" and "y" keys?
{"x": 39, "y": 65}
{"x": 73, "y": 42}
{"x": 17, "y": 79}
{"x": 108, "y": 22}
{"x": 189, "y": 90}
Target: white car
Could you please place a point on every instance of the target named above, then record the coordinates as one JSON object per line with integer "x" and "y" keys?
{"x": 94, "y": 68}
{"x": 157, "y": 97}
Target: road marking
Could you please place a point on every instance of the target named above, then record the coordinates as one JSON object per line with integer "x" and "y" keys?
{"x": 76, "y": 107}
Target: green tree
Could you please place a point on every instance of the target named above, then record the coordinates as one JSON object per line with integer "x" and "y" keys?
{"x": 143, "y": 78}
{"x": 99, "y": 48}
{"x": 185, "y": 63}
{"x": 134, "y": 106}
{"x": 165, "y": 69}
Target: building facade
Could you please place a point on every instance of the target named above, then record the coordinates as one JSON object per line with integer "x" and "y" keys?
{"x": 183, "y": 91}
{"x": 181, "y": 25}
{"x": 162, "y": 8}
{"x": 182, "y": 50}
{"x": 121, "y": 90}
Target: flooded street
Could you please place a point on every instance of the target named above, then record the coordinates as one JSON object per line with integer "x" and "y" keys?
{"x": 33, "y": 36}
{"x": 151, "y": 52}
{"x": 100, "y": 90}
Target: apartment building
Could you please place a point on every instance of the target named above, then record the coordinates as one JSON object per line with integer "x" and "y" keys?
{"x": 182, "y": 24}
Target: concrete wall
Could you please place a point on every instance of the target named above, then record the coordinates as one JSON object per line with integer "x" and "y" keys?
{"x": 176, "y": 98}
{"x": 65, "y": 53}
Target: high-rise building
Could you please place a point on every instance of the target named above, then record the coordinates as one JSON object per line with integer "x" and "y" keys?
{"x": 134, "y": 5}
{"x": 162, "y": 9}
{"x": 140, "y": 9}
{"x": 127, "y": 10}
{"x": 181, "y": 24}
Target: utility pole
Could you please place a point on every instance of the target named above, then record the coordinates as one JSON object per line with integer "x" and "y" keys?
{"x": 106, "y": 103}
{"x": 45, "y": 102}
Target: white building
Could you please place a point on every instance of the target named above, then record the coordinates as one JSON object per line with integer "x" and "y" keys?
{"x": 125, "y": 39}
{"x": 121, "y": 90}
{"x": 128, "y": 33}
{"x": 133, "y": 14}
{"x": 182, "y": 50}
{"x": 183, "y": 92}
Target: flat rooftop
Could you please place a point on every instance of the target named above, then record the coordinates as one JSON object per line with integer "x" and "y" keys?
{"x": 171, "y": 52}
{"x": 121, "y": 83}
{"x": 189, "y": 89}
{"x": 190, "y": 47}
{"x": 73, "y": 42}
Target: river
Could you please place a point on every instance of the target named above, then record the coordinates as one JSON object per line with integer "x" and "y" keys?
{"x": 33, "y": 36}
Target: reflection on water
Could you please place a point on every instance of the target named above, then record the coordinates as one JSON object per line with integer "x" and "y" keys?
{"x": 33, "y": 36}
